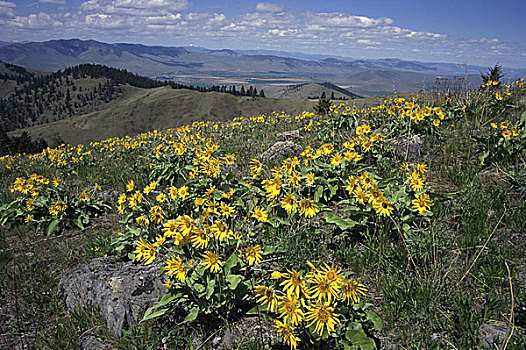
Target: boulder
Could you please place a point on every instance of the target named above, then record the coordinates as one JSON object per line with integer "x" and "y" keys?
{"x": 121, "y": 290}
{"x": 490, "y": 334}
{"x": 408, "y": 145}
{"x": 282, "y": 149}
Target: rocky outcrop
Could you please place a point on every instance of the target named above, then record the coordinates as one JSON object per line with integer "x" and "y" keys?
{"x": 408, "y": 146}
{"x": 281, "y": 150}
{"x": 121, "y": 290}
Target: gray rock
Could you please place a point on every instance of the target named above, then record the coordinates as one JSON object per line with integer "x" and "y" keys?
{"x": 282, "y": 149}
{"x": 288, "y": 135}
{"x": 490, "y": 334}
{"x": 90, "y": 342}
{"x": 122, "y": 290}
{"x": 408, "y": 145}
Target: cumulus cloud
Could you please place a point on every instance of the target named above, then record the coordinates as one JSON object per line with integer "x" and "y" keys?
{"x": 57, "y": 2}
{"x": 7, "y": 9}
{"x": 133, "y": 7}
{"x": 269, "y": 7}
{"x": 268, "y": 25}
{"x": 367, "y": 42}
{"x": 38, "y": 21}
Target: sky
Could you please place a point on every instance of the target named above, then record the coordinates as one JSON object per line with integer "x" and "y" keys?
{"x": 476, "y": 32}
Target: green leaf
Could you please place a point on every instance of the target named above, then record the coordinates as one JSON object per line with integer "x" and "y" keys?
{"x": 192, "y": 315}
{"x": 318, "y": 193}
{"x": 359, "y": 338}
{"x": 375, "y": 319}
{"x": 483, "y": 156}
{"x": 210, "y": 288}
{"x": 234, "y": 280}
{"x": 79, "y": 223}
{"x": 342, "y": 223}
{"x": 154, "y": 314}
{"x": 52, "y": 226}
{"x": 333, "y": 189}
{"x": 199, "y": 288}
{"x": 232, "y": 261}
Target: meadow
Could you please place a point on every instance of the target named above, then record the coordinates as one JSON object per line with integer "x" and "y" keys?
{"x": 395, "y": 226}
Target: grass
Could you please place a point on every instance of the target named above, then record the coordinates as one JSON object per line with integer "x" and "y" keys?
{"x": 433, "y": 285}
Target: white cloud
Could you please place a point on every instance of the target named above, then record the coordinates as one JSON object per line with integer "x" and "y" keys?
{"x": 269, "y": 7}
{"x": 346, "y": 20}
{"x": 7, "y": 10}
{"x": 367, "y": 42}
{"x": 38, "y": 21}
{"x": 269, "y": 26}
{"x": 59, "y": 2}
{"x": 133, "y": 7}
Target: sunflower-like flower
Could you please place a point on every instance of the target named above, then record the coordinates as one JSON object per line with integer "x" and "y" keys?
{"x": 255, "y": 168}
{"x": 422, "y": 203}
{"x": 383, "y": 207}
{"x": 211, "y": 261}
{"x": 220, "y": 231}
{"x": 259, "y": 214}
{"x": 294, "y": 283}
{"x": 145, "y": 251}
{"x": 285, "y": 331}
{"x": 252, "y": 255}
{"x": 290, "y": 309}
{"x": 324, "y": 289}
{"x": 289, "y": 203}
{"x": 175, "y": 266}
{"x": 350, "y": 289}
{"x": 265, "y": 295}
{"x": 308, "y": 208}
{"x": 323, "y": 316}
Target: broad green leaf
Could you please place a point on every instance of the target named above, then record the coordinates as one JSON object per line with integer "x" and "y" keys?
{"x": 234, "y": 280}
{"x": 342, "y": 223}
{"x": 375, "y": 319}
{"x": 318, "y": 193}
{"x": 79, "y": 223}
{"x": 52, "y": 226}
{"x": 199, "y": 288}
{"x": 333, "y": 189}
{"x": 483, "y": 156}
{"x": 210, "y": 288}
{"x": 359, "y": 338}
{"x": 232, "y": 261}
{"x": 192, "y": 315}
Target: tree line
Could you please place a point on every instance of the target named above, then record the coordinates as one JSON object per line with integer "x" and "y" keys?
{"x": 20, "y": 144}
{"x": 63, "y": 94}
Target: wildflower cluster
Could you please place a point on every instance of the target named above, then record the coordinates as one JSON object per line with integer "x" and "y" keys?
{"x": 315, "y": 303}
{"x": 506, "y": 129}
{"x": 364, "y": 190}
{"x": 415, "y": 175}
{"x": 45, "y": 202}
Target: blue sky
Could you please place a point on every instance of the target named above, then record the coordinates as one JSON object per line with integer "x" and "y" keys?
{"x": 479, "y": 32}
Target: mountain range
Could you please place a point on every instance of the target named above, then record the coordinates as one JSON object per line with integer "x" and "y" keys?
{"x": 269, "y": 69}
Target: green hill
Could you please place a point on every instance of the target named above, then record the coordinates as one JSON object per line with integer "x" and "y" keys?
{"x": 138, "y": 110}
{"x": 310, "y": 91}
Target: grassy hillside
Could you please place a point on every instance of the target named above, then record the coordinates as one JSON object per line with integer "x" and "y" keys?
{"x": 396, "y": 226}
{"x": 309, "y": 91}
{"x": 140, "y": 110}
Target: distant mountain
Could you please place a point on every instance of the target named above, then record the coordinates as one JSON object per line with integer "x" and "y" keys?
{"x": 200, "y": 66}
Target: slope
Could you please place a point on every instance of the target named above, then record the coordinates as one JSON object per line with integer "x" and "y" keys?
{"x": 139, "y": 110}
